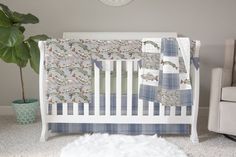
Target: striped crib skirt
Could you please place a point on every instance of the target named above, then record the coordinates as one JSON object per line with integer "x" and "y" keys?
{"x": 127, "y": 129}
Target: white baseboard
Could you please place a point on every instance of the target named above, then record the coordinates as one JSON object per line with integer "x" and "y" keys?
{"x": 8, "y": 111}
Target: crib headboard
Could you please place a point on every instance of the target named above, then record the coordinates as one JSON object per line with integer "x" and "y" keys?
{"x": 117, "y": 35}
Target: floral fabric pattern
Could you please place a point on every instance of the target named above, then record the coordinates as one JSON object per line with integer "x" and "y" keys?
{"x": 114, "y": 49}
{"x": 68, "y": 71}
{"x": 68, "y": 65}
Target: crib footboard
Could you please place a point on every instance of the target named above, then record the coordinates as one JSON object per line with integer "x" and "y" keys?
{"x": 73, "y": 113}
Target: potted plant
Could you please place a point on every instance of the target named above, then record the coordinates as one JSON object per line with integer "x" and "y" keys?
{"x": 14, "y": 48}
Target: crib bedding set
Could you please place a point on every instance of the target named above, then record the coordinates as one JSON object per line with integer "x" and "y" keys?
{"x": 164, "y": 65}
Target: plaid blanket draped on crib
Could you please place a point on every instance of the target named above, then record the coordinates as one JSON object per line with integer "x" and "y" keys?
{"x": 165, "y": 71}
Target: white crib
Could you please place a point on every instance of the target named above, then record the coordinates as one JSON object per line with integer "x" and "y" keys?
{"x": 119, "y": 118}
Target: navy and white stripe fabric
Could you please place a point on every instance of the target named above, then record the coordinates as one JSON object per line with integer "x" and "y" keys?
{"x": 128, "y": 129}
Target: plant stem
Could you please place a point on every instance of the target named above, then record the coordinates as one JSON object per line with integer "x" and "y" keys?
{"x": 22, "y": 85}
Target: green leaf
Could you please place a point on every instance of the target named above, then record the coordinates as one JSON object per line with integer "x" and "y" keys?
{"x": 6, "y": 10}
{"x": 20, "y": 18}
{"x": 9, "y": 55}
{"x": 22, "y": 29}
{"x": 32, "y": 43}
{"x": 24, "y": 18}
{"x": 22, "y": 63}
{"x": 4, "y": 20}
{"x": 34, "y": 55}
{"x": 22, "y": 51}
{"x": 10, "y": 36}
{"x": 38, "y": 38}
{"x": 2, "y": 49}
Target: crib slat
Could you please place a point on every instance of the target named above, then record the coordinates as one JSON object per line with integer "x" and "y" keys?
{"x": 129, "y": 65}
{"x": 86, "y": 109}
{"x": 162, "y": 110}
{"x": 151, "y": 108}
{"x": 54, "y": 109}
{"x": 183, "y": 110}
{"x": 64, "y": 109}
{"x": 118, "y": 87}
{"x": 140, "y": 101}
{"x": 140, "y": 107}
{"x": 112, "y": 65}
{"x": 48, "y": 110}
{"x": 135, "y": 65}
{"x": 172, "y": 111}
{"x": 75, "y": 109}
{"x": 108, "y": 87}
{"x": 96, "y": 90}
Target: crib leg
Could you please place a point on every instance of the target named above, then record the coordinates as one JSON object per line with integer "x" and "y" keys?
{"x": 194, "y": 134}
{"x": 44, "y": 133}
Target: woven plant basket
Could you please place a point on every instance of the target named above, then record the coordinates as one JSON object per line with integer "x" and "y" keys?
{"x": 25, "y": 112}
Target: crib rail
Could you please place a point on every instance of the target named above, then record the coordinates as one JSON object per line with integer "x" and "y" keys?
{"x": 147, "y": 112}
{"x": 150, "y": 118}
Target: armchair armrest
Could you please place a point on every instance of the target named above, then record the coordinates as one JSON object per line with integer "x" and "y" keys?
{"x": 220, "y": 78}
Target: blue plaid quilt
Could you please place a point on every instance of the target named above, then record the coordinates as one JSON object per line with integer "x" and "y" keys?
{"x": 165, "y": 71}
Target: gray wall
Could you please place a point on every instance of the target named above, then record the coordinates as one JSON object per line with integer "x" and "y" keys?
{"x": 211, "y": 21}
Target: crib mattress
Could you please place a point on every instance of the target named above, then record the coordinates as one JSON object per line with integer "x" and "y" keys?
{"x": 128, "y": 129}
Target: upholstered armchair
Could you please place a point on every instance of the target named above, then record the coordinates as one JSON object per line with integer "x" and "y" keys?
{"x": 222, "y": 111}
